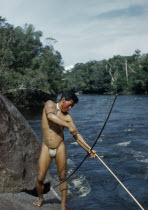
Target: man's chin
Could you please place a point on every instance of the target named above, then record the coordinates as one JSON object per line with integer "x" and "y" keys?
{"x": 64, "y": 111}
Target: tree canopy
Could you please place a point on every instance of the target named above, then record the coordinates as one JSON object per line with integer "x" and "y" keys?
{"x": 27, "y": 63}
{"x": 122, "y": 74}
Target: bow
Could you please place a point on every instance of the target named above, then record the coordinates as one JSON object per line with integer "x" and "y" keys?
{"x": 93, "y": 143}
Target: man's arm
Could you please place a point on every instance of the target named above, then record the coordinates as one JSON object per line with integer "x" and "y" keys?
{"x": 81, "y": 141}
{"x": 50, "y": 111}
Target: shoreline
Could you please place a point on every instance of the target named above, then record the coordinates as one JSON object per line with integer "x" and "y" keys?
{"x": 36, "y": 103}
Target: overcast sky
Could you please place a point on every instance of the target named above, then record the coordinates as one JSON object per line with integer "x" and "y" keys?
{"x": 85, "y": 29}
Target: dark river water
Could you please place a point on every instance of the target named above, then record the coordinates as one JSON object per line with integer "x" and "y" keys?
{"x": 124, "y": 145}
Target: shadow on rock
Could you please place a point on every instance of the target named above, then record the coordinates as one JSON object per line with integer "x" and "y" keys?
{"x": 34, "y": 192}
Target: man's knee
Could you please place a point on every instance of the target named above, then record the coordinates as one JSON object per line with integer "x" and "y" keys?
{"x": 40, "y": 179}
{"x": 62, "y": 176}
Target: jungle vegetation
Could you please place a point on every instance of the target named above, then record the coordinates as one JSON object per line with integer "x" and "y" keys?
{"x": 122, "y": 74}
{"x": 28, "y": 64}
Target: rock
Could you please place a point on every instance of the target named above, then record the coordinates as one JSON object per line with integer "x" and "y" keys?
{"x": 23, "y": 201}
{"x": 19, "y": 150}
{"x": 19, "y": 153}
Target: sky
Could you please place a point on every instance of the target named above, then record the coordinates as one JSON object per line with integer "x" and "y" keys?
{"x": 84, "y": 30}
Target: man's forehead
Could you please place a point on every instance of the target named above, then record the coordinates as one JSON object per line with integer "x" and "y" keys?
{"x": 72, "y": 102}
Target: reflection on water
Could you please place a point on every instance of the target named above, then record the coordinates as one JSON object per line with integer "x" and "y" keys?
{"x": 124, "y": 145}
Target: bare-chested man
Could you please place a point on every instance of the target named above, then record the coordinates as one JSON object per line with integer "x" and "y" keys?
{"x": 54, "y": 119}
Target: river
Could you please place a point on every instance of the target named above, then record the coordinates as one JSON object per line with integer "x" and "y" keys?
{"x": 124, "y": 145}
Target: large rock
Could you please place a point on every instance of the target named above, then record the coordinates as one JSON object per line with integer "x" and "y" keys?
{"x": 19, "y": 150}
{"x": 23, "y": 201}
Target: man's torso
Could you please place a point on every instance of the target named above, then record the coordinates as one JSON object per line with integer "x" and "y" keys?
{"x": 53, "y": 133}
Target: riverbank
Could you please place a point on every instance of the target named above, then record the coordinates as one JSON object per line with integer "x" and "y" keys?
{"x": 33, "y": 100}
{"x": 28, "y": 98}
{"x": 24, "y": 201}
{"x": 19, "y": 153}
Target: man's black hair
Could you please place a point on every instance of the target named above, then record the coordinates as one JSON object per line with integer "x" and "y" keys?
{"x": 70, "y": 95}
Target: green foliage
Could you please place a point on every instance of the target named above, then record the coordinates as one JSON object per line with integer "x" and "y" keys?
{"x": 122, "y": 74}
{"x": 89, "y": 78}
{"x": 25, "y": 62}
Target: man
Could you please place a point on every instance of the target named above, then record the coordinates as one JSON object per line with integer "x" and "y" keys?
{"x": 54, "y": 119}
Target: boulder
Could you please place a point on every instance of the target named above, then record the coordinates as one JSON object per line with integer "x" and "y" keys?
{"x": 19, "y": 150}
{"x": 23, "y": 201}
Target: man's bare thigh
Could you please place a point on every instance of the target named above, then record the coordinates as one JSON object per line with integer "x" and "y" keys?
{"x": 44, "y": 160}
{"x": 61, "y": 157}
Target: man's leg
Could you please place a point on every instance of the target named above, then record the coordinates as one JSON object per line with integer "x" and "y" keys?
{"x": 61, "y": 164}
{"x": 43, "y": 165}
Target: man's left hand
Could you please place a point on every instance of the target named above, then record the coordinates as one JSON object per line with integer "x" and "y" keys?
{"x": 92, "y": 153}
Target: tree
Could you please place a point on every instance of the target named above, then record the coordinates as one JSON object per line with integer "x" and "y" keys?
{"x": 25, "y": 62}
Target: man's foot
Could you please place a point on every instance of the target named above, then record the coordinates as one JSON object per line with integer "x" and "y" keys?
{"x": 39, "y": 202}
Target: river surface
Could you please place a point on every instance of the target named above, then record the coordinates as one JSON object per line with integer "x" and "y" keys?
{"x": 124, "y": 145}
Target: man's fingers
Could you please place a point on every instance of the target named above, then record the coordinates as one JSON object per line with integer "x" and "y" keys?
{"x": 92, "y": 154}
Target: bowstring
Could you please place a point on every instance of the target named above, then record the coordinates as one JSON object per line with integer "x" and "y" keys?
{"x": 105, "y": 104}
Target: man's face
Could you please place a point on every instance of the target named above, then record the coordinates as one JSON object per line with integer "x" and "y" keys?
{"x": 66, "y": 105}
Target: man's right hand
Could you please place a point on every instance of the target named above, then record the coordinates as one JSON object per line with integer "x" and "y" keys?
{"x": 73, "y": 130}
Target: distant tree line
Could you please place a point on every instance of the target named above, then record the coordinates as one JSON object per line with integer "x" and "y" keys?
{"x": 28, "y": 64}
{"x": 122, "y": 74}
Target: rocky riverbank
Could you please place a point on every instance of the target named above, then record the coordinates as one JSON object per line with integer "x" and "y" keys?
{"x": 19, "y": 153}
{"x": 28, "y": 98}
{"x": 24, "y": 201}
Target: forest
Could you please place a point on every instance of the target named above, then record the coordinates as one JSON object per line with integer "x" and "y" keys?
{"x": 31, "y": 69}
{"x": 120, "y": 74}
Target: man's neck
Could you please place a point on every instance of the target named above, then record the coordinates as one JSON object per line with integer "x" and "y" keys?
{"x": 58, "y": 107}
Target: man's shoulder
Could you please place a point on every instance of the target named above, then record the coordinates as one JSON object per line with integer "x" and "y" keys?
{"x": 68, "y": 116}
{"x": 49, "y": 103}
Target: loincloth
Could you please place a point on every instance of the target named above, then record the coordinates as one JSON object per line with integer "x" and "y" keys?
{"x": 52, "y": 152}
